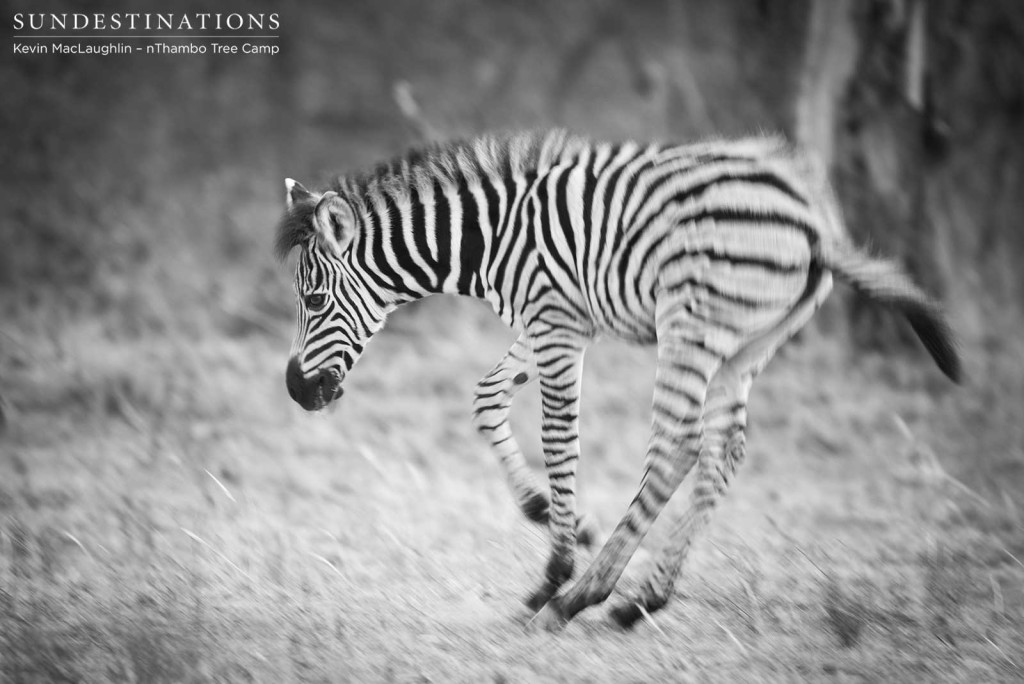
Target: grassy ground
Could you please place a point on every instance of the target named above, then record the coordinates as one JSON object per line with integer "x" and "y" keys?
{"x": 168, "y": 514}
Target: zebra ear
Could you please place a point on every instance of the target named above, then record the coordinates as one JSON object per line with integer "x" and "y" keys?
{"x": 294, "y": 192}
{"x": 335, "y": 222}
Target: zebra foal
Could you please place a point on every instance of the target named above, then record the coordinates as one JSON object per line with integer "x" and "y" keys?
{"x": 716, "y": 252}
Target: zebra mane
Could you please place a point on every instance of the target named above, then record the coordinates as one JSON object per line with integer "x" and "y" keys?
{"x": 294, "y": 229}
{"x": 510, "y": 155}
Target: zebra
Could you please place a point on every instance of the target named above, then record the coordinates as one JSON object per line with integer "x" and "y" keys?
{"x": 717, "y": 252}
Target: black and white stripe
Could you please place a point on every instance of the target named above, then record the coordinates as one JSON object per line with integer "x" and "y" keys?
{"x": 717, "y": 252}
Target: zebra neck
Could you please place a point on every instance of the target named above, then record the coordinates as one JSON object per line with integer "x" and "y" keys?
{"x": 433, "y": 241}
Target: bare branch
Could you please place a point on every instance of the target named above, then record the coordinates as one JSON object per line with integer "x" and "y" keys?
{"x": 410, "y": 108}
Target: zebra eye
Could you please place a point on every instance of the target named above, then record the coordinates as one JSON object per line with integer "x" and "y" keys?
{"x": 315, "y": 302}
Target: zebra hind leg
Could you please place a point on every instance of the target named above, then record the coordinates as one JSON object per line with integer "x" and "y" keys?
{"x": 726, "y": 418}
{"x": 725, "y": 450}
{"x": 492, "y": 403}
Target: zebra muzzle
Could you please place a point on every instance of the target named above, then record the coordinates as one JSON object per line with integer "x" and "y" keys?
{"x": 314, "y": 391}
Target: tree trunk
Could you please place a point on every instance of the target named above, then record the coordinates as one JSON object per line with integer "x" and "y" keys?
{"x": 885, "y": 179}
{"x": 829, "y": 58}
{"x": 863, "y": 107}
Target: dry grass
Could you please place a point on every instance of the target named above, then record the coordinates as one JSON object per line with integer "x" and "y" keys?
{"x": 194, "y": 525}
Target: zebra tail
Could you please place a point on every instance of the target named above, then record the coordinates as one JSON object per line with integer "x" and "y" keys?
{"x": 885, "y": 282}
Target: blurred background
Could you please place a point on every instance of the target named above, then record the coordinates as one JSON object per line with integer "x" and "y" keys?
{"x": 167, "y": 513}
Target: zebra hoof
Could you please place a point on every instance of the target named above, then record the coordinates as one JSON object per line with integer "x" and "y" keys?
{"x": 626, "y": 614}
{"x": 538, "y": 599}
{"x": 628, "y": 611}
{"x": 536, "y": 508}
{"x": 549, "y": 619}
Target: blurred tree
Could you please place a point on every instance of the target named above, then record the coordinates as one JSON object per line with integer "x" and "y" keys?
{"x": 613, "y": 23}
{"x": 919, "y": 107}
{"x": 890, "y": 97}
{"x": 889, "y": 155}
{"x": 829, "y": 57}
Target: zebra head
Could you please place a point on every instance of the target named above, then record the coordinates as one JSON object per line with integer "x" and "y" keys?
{"x": 337, "y": 309}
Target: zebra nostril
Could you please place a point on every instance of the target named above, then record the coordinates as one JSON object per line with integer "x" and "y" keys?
{"x": 293, "y": 380}
{"x": 328, "y": 384}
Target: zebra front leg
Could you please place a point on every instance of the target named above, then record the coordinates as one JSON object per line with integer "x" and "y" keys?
{"x": 725, "y": 418}
{"x": 560, "y": 364}
{"x": 684, "y": 370}
{"x": 492, "y": 403}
